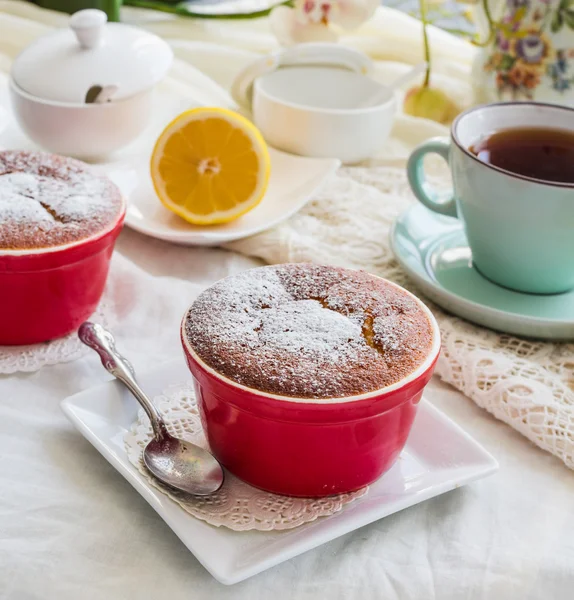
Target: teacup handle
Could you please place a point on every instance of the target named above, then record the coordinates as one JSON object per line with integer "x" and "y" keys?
{"x": 440, "y": 202}
{"x": 302, "y": 54}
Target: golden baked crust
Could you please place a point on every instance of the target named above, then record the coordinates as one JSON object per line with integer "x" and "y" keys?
{"x": 48, "y": 200}
{"x": 309, "y": 331}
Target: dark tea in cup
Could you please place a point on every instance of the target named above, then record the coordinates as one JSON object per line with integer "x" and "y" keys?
{"x": 536, "y": 152}
{"x": 512, "y": 168}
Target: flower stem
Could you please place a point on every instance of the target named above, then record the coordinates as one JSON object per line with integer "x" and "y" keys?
{"x": 423, "y": 6}
{"x": 491, "y": 26}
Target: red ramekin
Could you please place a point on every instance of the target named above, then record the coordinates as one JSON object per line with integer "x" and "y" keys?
{"x": 302, "y": 446}
{"x": 48, "y": 293}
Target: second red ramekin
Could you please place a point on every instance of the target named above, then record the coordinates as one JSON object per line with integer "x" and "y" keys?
{"x": 48, "y": 293}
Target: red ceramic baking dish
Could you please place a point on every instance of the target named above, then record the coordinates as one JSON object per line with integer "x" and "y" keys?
{"x": 307, "y": 447}
{"x": 48, "y": 293}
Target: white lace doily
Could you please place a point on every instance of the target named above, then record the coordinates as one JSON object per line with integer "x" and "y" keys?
{"x": 26, "y": 359}
{"x": 236, "y": 505}
{"x": 527, "y": 384}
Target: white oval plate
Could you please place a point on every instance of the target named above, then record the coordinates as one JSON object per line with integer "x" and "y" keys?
{"x": 294, "y": 181}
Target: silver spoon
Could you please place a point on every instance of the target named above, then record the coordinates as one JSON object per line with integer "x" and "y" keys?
{"x": 178, "y": 464}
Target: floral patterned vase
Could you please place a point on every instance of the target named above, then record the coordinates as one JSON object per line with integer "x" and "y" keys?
{"x": 529, "y": 52}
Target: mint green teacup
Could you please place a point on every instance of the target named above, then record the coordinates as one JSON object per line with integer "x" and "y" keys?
{"x": 520, "y": 230}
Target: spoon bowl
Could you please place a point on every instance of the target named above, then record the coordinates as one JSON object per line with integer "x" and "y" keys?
{"x": 183, "y": 466}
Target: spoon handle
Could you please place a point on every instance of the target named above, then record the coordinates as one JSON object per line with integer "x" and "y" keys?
{"x": 102, "y": 341}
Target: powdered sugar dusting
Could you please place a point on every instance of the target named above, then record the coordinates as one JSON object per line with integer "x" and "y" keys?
{"x": 309, "y": 331}
{"x": 304, "y": 326}
{"x": 48, "y": 200}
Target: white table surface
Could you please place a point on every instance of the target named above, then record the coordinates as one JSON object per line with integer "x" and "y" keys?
{"x": 73, "y": 528}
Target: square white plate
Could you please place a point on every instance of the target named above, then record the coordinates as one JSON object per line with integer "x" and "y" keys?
{"x": 439, "y": 456}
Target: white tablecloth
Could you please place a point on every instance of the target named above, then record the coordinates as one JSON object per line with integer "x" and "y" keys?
{"x": 71, "y": 528}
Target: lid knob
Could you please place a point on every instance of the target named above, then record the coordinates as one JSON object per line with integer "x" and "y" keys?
{"x": 88, "y": 25}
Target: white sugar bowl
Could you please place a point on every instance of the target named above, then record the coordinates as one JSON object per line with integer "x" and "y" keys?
{"x": 87, "y": 90}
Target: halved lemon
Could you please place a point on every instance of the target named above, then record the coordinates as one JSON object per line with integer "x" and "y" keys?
{"x": 210, "y": 165}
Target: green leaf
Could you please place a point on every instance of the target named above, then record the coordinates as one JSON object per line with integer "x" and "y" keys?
{"x": 209, "y": 10}
{"x": 519, "y": 14}
{"x": 509, "y": 32}
{"x": 557, "y": 21}
{"x": 521, "y": 33}
{"x": 569, "y": 18}
{"x": 507, "y": 62}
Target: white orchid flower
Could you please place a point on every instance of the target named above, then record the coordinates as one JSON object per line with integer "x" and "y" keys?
{"x": 319, "y": 20}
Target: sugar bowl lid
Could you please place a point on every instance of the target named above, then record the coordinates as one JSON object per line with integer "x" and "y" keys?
{"x": 91, "y": 61}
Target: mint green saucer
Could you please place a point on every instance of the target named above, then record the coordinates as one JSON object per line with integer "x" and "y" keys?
{"x": 433, "y": 250}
